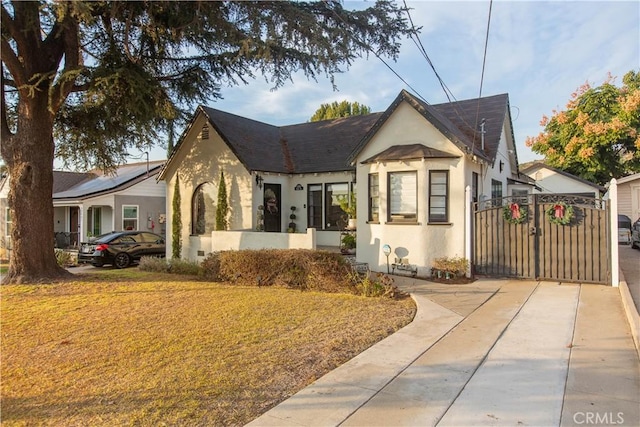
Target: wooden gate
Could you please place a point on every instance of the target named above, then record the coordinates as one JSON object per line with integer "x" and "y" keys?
{"x": 524, "y": 237}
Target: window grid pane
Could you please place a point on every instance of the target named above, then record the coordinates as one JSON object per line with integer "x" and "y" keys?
{"x": 335, "y": 217}
{"x": 374, "y": 197}
{"x": 403, "y": 196}
{"x": 129, "y": 217}
{"x": 314, "y": 206}
{"x": 438, "y": 196}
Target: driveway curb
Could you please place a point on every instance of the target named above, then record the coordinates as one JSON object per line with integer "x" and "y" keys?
{"x": 630, "y": 311}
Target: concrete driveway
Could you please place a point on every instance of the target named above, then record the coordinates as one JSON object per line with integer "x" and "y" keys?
{"x": 494, "y": 352}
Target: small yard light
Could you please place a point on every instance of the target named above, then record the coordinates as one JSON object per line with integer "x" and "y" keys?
{"x": 259, "y": 180}
{"x": 386, "y": 250}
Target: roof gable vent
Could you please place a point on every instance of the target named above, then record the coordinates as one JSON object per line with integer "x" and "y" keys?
{"x": 205, "y": 132}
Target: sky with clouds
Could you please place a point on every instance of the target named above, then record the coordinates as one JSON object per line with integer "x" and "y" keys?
{"x": 538, "y": 52}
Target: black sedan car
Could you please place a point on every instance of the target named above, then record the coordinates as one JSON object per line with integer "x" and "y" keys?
{"x": 121, "y": 248}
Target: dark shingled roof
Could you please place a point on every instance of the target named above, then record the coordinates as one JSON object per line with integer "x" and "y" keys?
{"x": 332, "y": 145}
{"x": 303, "y": 148}
{"x": 409, "y": 152}
{"x": 63, "y": 180}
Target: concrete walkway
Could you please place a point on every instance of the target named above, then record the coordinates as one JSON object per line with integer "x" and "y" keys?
{"x": 487, "y": 353}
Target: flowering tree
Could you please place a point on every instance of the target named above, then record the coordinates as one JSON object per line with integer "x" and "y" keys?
{"x": 598, "y": 136}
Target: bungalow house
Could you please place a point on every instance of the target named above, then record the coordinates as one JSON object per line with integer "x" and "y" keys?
{"x": 93, "y": 203}
{"x": 408, "y": 166}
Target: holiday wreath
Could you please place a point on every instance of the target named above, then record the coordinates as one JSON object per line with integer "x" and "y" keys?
{"x": 560, "y": 213}
{"x": 512, "y": 213}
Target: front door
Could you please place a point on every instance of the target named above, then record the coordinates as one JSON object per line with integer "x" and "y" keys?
{"x": 74, "y": 212}
{"x": 272, "y": 208}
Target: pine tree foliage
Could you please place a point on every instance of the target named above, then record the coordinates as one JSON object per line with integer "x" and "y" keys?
{"x": 222, "y": 209}
{"x": 89, "y": 80}
{"x": 597, "y": 137}
{"x": 176, "y": 222}
{"x": 339, "y": 109}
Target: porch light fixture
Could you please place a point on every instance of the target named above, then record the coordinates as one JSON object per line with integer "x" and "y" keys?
{"x": 259, "y": 180}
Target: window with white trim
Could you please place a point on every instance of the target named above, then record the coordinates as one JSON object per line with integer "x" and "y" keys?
{"x": 496, "y": 192}
{"x": 7, "y": 222}
{"x": 374, "y": 197}
{"x": 129, "y": 217}
{"x": 403, "y": 196}
{"x": 314, "y": 206}
{"x": 438, "y": 196}
{"x": 335, "y": 217}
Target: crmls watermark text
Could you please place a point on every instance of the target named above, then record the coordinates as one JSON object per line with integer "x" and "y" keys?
{"x": 600, "y": 418}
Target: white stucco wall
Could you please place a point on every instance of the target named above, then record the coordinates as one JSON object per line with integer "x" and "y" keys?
{"x": 201, "y": 161}
{"x": 420, "y": 242}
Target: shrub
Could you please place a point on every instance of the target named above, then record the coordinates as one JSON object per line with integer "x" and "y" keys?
{"x": 175, "y": 266}
{"x": 294, "y": 268}
{"x": 64, "y": 258}
{"x": 456, "y": 266}
{"x": 381, "y": 286}
{"x": 153, "y": 264}
{"x": 183, "y": 266}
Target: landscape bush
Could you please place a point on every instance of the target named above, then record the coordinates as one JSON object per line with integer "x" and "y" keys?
{"x": 293, "y": 268}
{"x": 176, "y": 266}
{"x": 64, "y": 258}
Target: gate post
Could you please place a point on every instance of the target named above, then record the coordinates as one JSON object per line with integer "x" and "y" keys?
{"x": 613, "y": 231}
{"x": 468, "y": 228}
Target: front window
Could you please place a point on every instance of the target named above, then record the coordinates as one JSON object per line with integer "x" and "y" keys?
{"x": 335, "y": 217}
{"x": 7, "y": 222}
{"x": 520, "y": 197}
{"x": 203, "y": 213}
{"x": 314, "y": 206}
{"x": 474, "y": 186}
{"x": 374, "y": 197}
{"x": 403, "y": 197}
{"x": 496, "y": 192}
{"x": 129, "y": 217}
{"x": 96, "y": 216}
{"x": 438, "y": 196}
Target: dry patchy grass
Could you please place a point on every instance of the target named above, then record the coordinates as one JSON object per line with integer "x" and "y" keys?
{"x": 146, "y": 349}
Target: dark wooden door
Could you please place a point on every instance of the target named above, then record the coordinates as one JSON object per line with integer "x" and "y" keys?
{"x": 272, "y": 207}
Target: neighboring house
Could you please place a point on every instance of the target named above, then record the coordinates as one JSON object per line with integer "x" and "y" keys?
{"x": 412, "y": 164}
{"x": 552, "y": 180}
{"x": 90, "y": 204}
{"x": 629, "y": 196}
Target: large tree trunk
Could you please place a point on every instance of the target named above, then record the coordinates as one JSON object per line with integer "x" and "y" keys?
{"x": 30, "y": 167}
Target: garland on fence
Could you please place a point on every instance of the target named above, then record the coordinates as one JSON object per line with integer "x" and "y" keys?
{"x": 513, "y": 214}
{"x": 560, "y": 213}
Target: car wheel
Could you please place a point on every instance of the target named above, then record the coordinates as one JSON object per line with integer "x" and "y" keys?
{"x": 122, "y": 260}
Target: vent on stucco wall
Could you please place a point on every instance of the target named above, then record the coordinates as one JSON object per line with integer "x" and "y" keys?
{"x": 205, "y": 132}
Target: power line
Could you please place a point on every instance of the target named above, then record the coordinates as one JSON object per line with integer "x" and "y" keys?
{"x": 484, "y": 61}
{"x": 414, "y": 37}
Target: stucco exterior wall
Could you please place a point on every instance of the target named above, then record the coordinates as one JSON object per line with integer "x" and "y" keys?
{"x": 420, "y": 242}
{"x": 198, "y": 162}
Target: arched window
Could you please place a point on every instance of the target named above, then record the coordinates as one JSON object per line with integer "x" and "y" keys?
{"x": 203, "y": 212}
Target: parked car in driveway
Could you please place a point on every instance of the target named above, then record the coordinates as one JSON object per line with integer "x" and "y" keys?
{"x": 635, "y": 235}
{"x": 624, "y": 229}
{"x": 121, "y": 248}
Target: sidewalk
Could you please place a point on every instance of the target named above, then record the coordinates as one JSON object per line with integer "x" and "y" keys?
{"x": 494, "y": 352}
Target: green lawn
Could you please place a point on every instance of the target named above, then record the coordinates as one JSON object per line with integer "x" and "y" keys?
{"x": 142, "y": 348}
